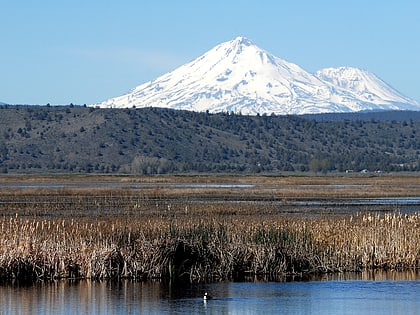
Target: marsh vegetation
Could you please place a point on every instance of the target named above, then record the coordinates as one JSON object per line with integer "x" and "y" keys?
{"x": 161, "y": 232}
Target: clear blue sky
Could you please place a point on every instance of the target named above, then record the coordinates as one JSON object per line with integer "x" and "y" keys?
{"x": 86, "y": 51}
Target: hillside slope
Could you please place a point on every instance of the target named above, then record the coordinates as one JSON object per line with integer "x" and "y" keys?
{"x": 152, "y": 140}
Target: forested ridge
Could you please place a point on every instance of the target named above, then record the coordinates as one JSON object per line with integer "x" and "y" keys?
{"x": 79, "y": 139}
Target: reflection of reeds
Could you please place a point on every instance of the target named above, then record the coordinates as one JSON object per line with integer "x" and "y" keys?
{"x": 200, "y": 244}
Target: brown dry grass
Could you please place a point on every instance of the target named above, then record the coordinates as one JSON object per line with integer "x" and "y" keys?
{"x": 263, "y": 186}
{"x": 205, "y": 245}
{"x": 218, "y": 247}
{"x": 157, "y": 232}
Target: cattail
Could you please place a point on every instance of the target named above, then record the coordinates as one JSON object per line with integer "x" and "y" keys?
{"x": 203, "y": 241}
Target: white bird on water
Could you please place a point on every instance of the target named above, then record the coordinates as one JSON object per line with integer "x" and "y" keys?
{"x": 207, "y": 297}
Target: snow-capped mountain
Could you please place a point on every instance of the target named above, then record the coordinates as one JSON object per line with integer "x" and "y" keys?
{"x": 364, "y": 89}
{"x": 239, "y": 76}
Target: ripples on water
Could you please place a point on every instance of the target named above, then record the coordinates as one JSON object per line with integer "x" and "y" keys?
{"x": 378, "y": 293}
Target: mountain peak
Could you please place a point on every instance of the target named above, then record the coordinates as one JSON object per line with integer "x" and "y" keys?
{"x": 240, "y": 40}
{"x": 241, "y": 77}
{"x": 237, "y": 45}
{"x": 351, "y": 73}
{"x": 365, "y": 84}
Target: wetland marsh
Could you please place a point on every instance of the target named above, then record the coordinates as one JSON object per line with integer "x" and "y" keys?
{"x": 204, "y": 228}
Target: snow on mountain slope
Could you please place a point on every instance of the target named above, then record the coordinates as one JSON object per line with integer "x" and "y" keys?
{"x": 366, "y": 89}
{"x": 239, "y": 76}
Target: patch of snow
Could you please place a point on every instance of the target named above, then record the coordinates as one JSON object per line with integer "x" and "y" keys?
{"x": 239, "y": 76}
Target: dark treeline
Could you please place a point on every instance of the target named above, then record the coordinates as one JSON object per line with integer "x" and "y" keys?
{"x": 70, "y": 139}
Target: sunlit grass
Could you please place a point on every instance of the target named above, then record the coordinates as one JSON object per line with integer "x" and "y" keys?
{"x": 205, "y": 246}
{"x": 158, "y": 233}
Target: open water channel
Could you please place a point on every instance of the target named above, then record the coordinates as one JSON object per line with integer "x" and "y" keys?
{"x": 330, "y": 206}
{"x": 391, "y": 293}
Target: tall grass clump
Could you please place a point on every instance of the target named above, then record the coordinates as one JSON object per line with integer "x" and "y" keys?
{"x": 195, "y": 247}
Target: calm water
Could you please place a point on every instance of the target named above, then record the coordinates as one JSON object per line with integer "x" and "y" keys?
{"x": 360, "y": 295}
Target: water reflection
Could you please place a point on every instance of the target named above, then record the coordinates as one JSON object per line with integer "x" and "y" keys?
{"x": 365, "y": 293}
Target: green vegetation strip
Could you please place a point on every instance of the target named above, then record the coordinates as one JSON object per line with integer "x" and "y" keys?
{"x": 79, "y": 140}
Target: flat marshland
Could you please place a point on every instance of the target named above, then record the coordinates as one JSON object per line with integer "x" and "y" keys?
{"x": 203, "y": 228}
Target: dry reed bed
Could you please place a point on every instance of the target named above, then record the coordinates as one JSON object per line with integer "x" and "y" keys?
{"x": 99, "y": 233}
{"x": 275, "y": 186}
{"x": 201, "y": 245}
